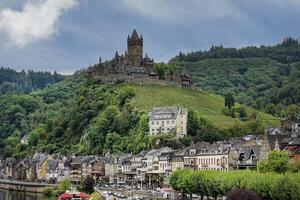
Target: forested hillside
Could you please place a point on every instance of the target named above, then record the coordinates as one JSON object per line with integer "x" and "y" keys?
{"x": 80, "y": 116}
{"x": 12, "y": 81}
{"x": 265, "y": 78}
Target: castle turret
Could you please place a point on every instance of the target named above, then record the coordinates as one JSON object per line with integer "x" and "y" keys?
{"x": 135, "y": 49}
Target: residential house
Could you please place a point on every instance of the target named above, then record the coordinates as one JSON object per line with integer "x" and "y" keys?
{"x": 294, "y": 149}
{"x": 177, "y": 160}
{"x": 24, "y": 170}
{"x": 205, "y": 156}
{"x": 40, "y": 160}
{"x": 168, "y": 120}
{"x": 10, "y": 164}
{"x": 151, "y": 163}
{"x": 138, "y": 165}
{"x": 52, "y": 171}
{"x": 30, "y": 170}
{"x": 25, "y": 139}
{"x": 125, "y": 174}
{"x": 111, "y": 168}
{"x": 252, "y": 150}
{"x": 79, "y": 168}
{"x": 96, "y": 167}
{"x": 165, "y": 162}
{"x": 216, "y": 157}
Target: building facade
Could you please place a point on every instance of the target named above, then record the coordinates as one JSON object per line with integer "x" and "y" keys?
{"x": 165, "y": 120}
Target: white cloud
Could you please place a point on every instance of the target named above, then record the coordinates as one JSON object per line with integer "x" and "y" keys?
{"x": 37, "y": 20}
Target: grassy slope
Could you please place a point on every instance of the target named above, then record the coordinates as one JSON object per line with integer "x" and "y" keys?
{"x": 206, "y": 104}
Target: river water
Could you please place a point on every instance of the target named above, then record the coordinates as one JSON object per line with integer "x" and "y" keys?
{"x": 12, "y": 195}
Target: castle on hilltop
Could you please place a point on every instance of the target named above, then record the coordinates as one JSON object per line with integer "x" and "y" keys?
{"x": 131, "y": 62}
{"x": 132, "y": 66}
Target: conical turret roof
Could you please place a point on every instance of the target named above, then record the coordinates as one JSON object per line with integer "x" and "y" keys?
{"x": 134, "y": 35}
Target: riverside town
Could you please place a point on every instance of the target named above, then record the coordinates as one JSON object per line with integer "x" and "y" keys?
{"x": 149, "y": 100}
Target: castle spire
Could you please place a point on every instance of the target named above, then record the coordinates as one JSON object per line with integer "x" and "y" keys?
{"x": 135, "y": 35}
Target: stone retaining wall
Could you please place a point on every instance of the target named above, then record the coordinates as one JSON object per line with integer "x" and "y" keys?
{"x": 24, "y": 186}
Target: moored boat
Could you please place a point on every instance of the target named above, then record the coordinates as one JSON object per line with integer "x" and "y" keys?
{"x": 74, "y": 195}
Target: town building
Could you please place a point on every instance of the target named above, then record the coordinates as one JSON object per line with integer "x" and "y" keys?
{"x": 111, "y": 168}
{"x": 296, "y": 127}
{"x": 79, "y": 168}
{"x": 177, "y": 161}
{"x": 168, "y": 120}
{"x": 40, "y": 160}
{"x": 205, "y": 156}
{"x": 96, "y": 168}
{"x": 25, "y": 139}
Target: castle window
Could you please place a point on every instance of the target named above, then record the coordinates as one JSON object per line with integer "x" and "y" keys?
{"x": 157, "y": 122}
{"x": 152, "y": 122}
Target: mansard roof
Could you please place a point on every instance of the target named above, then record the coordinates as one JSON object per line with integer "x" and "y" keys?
{"x": 166, "y": 112}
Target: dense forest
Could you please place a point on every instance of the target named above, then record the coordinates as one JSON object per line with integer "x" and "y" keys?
{"x": 286, "y": 52}
{"x": 265, "y": 78}
{"x": 12, "y": 81}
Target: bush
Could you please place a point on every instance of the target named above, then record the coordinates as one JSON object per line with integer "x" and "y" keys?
{"x": 48, "y": 192}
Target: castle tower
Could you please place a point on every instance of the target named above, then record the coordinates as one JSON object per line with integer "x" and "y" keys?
{"x": 135, "y": 49}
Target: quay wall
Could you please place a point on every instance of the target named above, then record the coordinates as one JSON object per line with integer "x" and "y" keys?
{"x": 24, "y": 186}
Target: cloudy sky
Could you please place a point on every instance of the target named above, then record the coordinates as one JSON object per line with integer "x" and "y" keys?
{"x": 66, "y": 35}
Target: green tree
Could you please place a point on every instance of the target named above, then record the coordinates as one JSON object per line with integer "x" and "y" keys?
{"x": 125, "y": 93}
{"x": 277, "y": 162}
{"x": 229, "y": 100}
{"x": 160, "y": 69}
{"x": 87, "y": 185}
{"x": 65, "y": 185}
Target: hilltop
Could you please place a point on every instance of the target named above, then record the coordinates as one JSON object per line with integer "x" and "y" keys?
{"x": 81, "y": 116}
